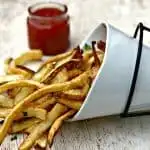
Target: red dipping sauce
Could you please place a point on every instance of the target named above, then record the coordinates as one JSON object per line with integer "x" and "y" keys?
{"x": 48, "y": 28}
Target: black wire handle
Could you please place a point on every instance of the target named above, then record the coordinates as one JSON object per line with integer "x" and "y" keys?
{"x": 140, "y": 27}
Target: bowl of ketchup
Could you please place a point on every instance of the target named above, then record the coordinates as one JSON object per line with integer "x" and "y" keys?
{"x": 48, "y": 27}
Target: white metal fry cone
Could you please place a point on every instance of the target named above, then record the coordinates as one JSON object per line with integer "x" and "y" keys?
{"x": 110, "y": 89}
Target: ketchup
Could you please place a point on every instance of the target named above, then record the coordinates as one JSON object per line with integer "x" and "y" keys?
{"x": 48, "y": 28}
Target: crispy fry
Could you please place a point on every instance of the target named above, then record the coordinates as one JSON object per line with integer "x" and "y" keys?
{"x": 28, "y": 112}
{"x": 58, "y": 57}
{"x": 42, "y": 72}
{"x": 28, "y": 56}
{"x": 70, "y": 103}
{"x": 15, "y": 65}
{"x": 42, "y": 141}
{"x": 74, "y": 73}
{"x": 24, "y": 92}
{"x": 13, "y": 92}
{"x": 6, "y": 64}
{"x": 61, "y": 83}
{"x": 56, "y": 111}
{"x": 74, "y": 83}
{"x": 37, "y": 77}
{"x": 57, "y": 124}
{"x": 54, "y": 72}
{"x": 75, "y": 94}
{"x": 6, "y": 101}
{"x": 60, "y": 77}
{"x": 20, "y": 83}
{"x": 4, "y": 112}
{"x": 97, "y": 61}
{"x": 20, "y": 126}
{"x": 47, "y": 103}
{"x": 8, "y": 78}
{"x": 13, "y": 69}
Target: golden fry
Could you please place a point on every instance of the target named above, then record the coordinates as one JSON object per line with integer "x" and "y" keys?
{"x": 5, "y": 101}
{"x": 78, "y": 81}
{"x": 20, "y": 126}
{"x": 75, "y": 94}
{"x": 42, "y": 141}
{"x": 13, "y": 92}
{"x": 8, "y": 78}
{"x": 28, "y": 56}
{"x": 42, "y": 72}
{"x": 27, "y": 112}
{"x": 55, "y": 71}
{"x": 19, "y": 83}
{"x": 70, "y": 103}
{"x": 57, "y": 124}
{"x": 58, "y": 57}
{"x": 56, "y": 111}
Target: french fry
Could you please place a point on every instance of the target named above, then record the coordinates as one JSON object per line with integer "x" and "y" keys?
{"x": 42, "y": 72}
{"x": 37, "y": 77}
{"x": 56, "y": 111}
{"x": 5, "y": 101}
{"x": 20, "y": 126}
{"x": 13, "y": 69}
{"x": 6, "y": 64}
{"x": 54, "y": 72}
{"x": 60, "y": 84}
{"x": 8, "y": 78}
{"x": 28, "y": 56}
{"x": 15, "y": 66}
{"x": 35, "y": 112}
{"x": 74, "y": 73}
{"x": 57, "y": 124}
{"x": 42, "y": 141}
{"x": 75, "y": 94}
{"x": 20, "y": 83}
{"x": 78, "y": 81}
{"x": 58, "y": 58}
{"x": 70, "y": 103}
{"x": 28, "y": 112}
{"x": 4, "y": 112}
{"x": 60, "y": 77}
{"x": 13, "y": 92}
{"x": 47, "y": 103}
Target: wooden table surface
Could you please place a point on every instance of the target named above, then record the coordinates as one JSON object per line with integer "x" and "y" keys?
{"x": 110, "y": 133}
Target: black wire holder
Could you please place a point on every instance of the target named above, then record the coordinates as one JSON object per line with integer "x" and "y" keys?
{"x": 140, "y": 28}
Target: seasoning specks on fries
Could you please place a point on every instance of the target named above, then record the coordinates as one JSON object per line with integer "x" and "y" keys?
{"x": 37, "y": 103}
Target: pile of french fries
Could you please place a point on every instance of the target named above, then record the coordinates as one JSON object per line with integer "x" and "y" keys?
{"x": 38, "y": 102}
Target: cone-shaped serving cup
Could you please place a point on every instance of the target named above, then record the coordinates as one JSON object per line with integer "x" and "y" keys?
{"x": 109, "y": 91}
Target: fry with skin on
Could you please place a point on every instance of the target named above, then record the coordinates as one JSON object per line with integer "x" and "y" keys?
{"x": 42, "y": 141}
{"x": 20, "y": 126}
{"x": 5, "y": 101}
{"x": 75, "y": 94}
{"x": 8, "y": 78}
{"x": 13, "y": 69}
{"x": 20, "y": 83}
{"x": 70, "y": 103}
{"x": 74, "y": 83}
{"x": 48, "y": 78}
{"x": 28, "y": 112}
{"x": 13, "y": 92}
{"x": 57, "y": 124}
{"x": 58, "y": 57}
{"x": 14, "y": 66}
{"x": 28, "y": 56}
{"x": 47, "y": 103}
{"x": 56, "y": 111}
{"x": 37, "y": 77}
